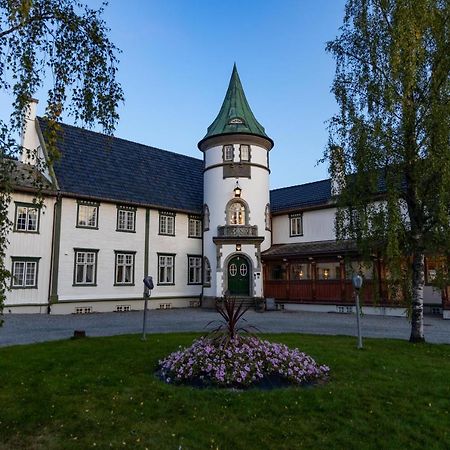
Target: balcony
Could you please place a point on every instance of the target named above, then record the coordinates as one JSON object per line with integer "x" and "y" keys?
{"x": 237, "y": 231}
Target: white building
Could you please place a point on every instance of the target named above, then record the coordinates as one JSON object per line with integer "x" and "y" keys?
{"x": 115, "y": 211}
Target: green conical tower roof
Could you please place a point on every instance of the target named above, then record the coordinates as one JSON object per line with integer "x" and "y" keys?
{"x": 235, "y": 116}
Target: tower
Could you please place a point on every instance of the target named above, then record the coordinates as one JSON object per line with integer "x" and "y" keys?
{"x": 236, "y": 210}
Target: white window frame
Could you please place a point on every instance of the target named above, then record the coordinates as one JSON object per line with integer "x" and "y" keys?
{"x": 166, "y": 269}
{"x": 124, "y": 260}
{"x": 244, "y": 152}
{"x": 194, "y": 269}
{"x": 30, "y": 225}
{"x": 195, "y": 227}
{"x": 228, "y": 152}
{"x": 296, "y": 224}
{"x": 29, "y": 266}
{"x": 89, "y": 259}
{"x": 167, "y": 224}
{"x": 85, "y": 213}
{"x": 126, "y": 220}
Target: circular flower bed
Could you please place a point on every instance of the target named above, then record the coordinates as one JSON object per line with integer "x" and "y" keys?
{"x": 241, "y": 363}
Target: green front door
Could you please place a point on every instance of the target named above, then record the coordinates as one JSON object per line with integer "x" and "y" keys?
{"x": 238, "y": 276}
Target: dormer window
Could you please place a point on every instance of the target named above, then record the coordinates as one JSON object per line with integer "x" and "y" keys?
{"x": 228, "y": 153}
{"x": 245, "y": 152}
{"x": 235, "y": 120}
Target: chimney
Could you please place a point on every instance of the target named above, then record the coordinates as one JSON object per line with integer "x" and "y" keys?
{"x": 29, "y": 138}
{"x": 337, "y": 169}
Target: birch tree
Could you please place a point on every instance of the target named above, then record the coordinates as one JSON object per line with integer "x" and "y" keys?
{"x": 392, "y": 131}
{"x": 61, "y": 45}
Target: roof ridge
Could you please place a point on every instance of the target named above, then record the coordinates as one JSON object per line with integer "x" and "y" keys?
{"x": 124, "y": 140}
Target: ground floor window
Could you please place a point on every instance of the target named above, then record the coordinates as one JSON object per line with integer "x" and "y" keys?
{"x": 85, "y": 273}
{"x": 328, "y": 271}
{"x": 194, "y": 269}
{"x": 24, "y": 273}
{"x": 300, "y": 271}
{"x": 277, "y": 271}
{"x": 124, "y": 270}
{"x": 359, "y": 267}
{"x": 166, "y": 268}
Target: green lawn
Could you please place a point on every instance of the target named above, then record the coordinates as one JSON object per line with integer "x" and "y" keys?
{"x": 101, "y": 393}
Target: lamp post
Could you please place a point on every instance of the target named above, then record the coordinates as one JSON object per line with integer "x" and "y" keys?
{"x": 357, "y": 284}
{"x": 148, "y": 286}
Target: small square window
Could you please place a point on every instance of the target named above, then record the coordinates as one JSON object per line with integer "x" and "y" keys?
{"x": 228, "y": 152}
{"x": 27, "y": 218}
{"x": 296, "y": 225}
{"x": 195, "y": 227}
{"x": 87, "y": 216}
{"x": 167, "y": 223}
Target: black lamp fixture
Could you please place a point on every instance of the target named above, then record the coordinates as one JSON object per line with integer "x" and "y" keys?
{"x": 237, "y": 190}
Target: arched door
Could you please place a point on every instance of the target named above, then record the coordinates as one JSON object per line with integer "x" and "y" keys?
{"x": 238, "y": 276}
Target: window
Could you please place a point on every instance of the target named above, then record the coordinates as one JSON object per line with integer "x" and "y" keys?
{"x": 167, "y": 223}
{"x": 435, "y": 269}
{"x": 166, "y": 269}
{"x": 87, "y": 216}
{"x": 245, "y": 152}
{"x": 206, "y": 272}
{"x": 328, "y": 271}
{"x": 85, "y": 273}
{"x": 195, "y": 227}
{"x": 205, "y": 217}
{"x": 228, "y": 152}
{"x": 126, "y": 219}
{"x": 24, "y": 273}
{"x": 194, "y": 269}
{"x": 267, "y": 220}
{"x": 296, "y": 225}
{"x": 124, "y": 272}
{"x": 236, "y": 213}
{"x": 301, "y": 271}
{"x": 27, "y": 218}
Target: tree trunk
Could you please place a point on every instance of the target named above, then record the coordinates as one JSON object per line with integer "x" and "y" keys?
{"x": 417, "y": 297}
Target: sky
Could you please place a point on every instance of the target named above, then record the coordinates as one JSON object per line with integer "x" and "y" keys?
{"x": 176, "y": 62}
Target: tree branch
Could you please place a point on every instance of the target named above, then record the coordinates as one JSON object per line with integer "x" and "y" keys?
{"x": 25, "y": 24}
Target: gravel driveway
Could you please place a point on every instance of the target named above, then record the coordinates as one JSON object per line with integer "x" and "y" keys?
{"x": 29, "y": 328}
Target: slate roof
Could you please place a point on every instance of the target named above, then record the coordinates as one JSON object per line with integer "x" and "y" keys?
{"x": 97, "y": 166}
{"x": 94, "y": 165}
{"x": 300, "y": 196}
{"x": 235, "y": 115}
{"x": 308, "y": 249}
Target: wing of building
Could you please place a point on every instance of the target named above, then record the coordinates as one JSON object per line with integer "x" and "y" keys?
{"x": 114, "y": 211}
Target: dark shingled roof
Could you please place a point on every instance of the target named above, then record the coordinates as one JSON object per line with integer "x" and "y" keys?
{"x": 308, "y": 249}
{"x": 301, "y": 196}
{"x": 98, "y": 166}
